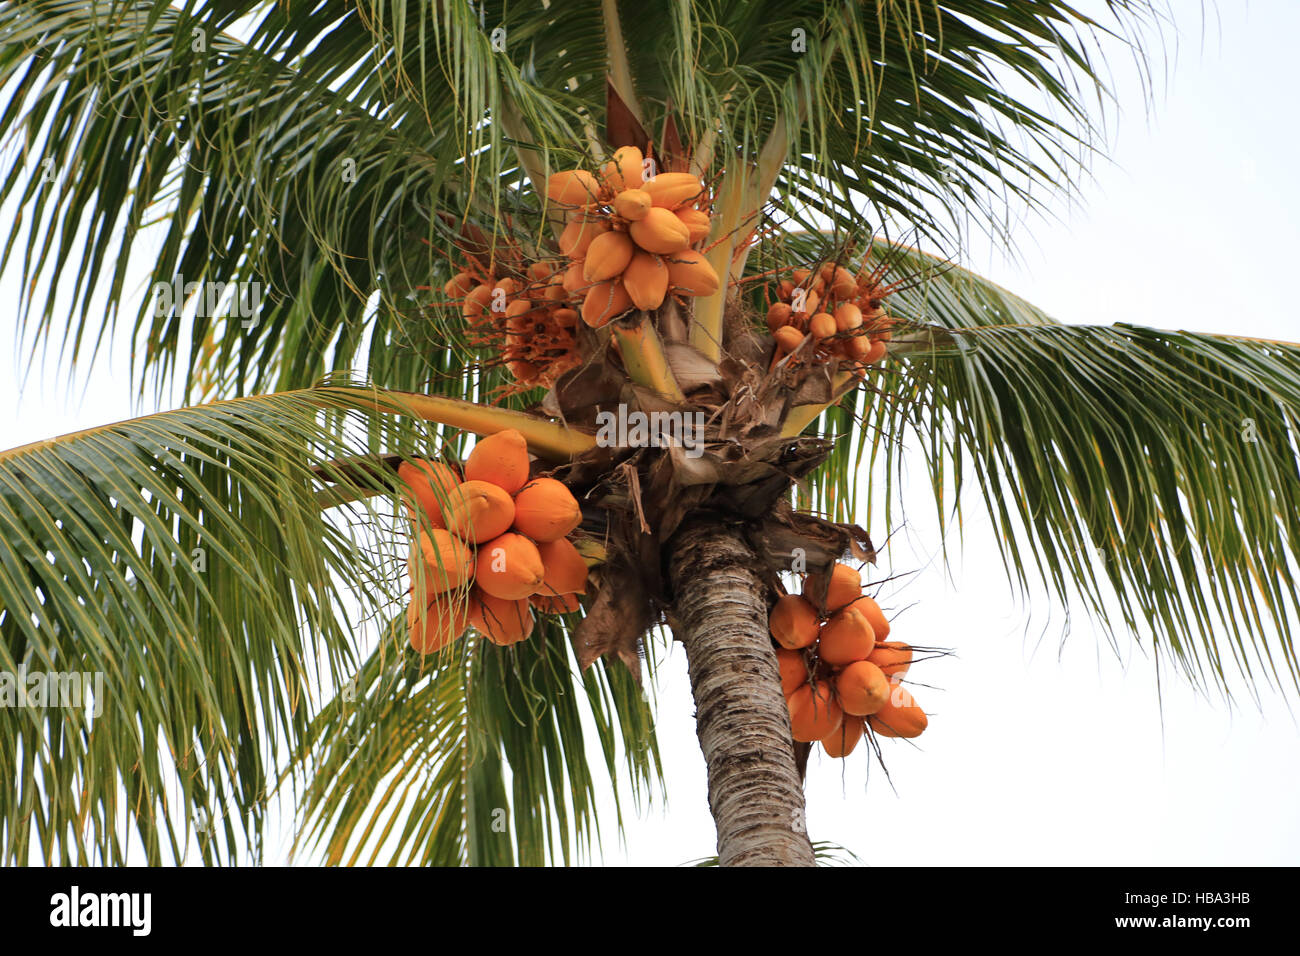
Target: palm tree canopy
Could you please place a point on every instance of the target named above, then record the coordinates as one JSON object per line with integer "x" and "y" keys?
{"x": 330, "y": 154}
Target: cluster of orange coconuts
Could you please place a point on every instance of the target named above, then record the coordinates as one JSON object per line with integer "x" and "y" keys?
{"x": 531, "y": 314}
{"x": 840, "y": 676}
{"x": 631, "y": 241}
{"x": 841, "y": 312}
{"x": 495, "y": 533}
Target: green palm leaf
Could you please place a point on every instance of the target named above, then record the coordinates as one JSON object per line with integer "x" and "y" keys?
{"x": 1149, "y": 472}
{"x": 183, "y": 556}
{"x": 480, "y": 758}
{"x": 241, "y": 146}
{"x": 1167, "y": 459}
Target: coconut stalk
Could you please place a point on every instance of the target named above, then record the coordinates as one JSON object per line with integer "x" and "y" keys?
{"x": 801, "y": 416}
{"x": 741, "y": 719}
{"x": 644, "y": 358}
{"x": 546, "y": 439}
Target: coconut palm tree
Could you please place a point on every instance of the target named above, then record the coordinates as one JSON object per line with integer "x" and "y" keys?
{"x": 323, "y": 173}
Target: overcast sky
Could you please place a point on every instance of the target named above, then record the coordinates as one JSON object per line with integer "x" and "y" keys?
{"x": 1037, "y": 751}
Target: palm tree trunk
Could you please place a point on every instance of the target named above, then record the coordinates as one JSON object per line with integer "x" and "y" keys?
{"x": 720, "y": 614}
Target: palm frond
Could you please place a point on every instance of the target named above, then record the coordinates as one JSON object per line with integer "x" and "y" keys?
{"x": 479, "y": 757}
{"x": 314, "y": 157}
{"x": 1149, "y": 472}
{"x": 288, "y": 168}
{"x": 183, "y": 559}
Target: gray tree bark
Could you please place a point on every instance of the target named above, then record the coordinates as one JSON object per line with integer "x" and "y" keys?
{"x": 755, "y": 791}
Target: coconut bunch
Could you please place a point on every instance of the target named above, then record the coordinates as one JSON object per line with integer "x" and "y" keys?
{"x": 497, "y": 534}
{"x": 530, "y": 319}
{"x": 839, "y": 674}
{"x": 843, "y": 314}
{"x": 631, "y": 241}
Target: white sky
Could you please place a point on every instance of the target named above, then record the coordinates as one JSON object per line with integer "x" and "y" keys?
{"x": 1035, "y": 754}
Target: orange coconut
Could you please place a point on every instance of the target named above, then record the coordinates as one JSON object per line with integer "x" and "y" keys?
{"x": 480, "y": 510}
{"x": 573, "y": 282}
{"x": 476, "y": 303}
{"x": 546, "y": 510}
{"x": 788, "y": 338}
{"x": 607, "y": 256}
{"x": 573, "y": 187}
{"x": 439, "y": 561}
{"x": 459, "y": 285}
{"x": 793, "y": 622}
{"x": 847, "y": 637}
{"x": 862, "y": 688}
{"x": 578, "y": 235}
{"x": 502, "y": 459}
{"x": 604, "y": 301}
{"x": 842, "y": 741}
{"x": 892, "y": 657}
{"x": 660, "y": 232}
{"x": 813, "y": 714}
{"x": 871, "y": 610}
{"x": 623, "y": 171}
{"x": 793, "y": 668}
{"x": 901, "y": 716}
{"x": 566, "y": 571}
{"x": 845, "y": 587}
{"x": 522, "y": 371}
{"x": 691, "y": 274}
{"x": 778, "y": 316}
{"x": 843, "y": 283}
{"x": 697, "y": 223}
{"x": 847, "y": 317}
{"x": 442, "y": 621}
{"x": 671, "y": 190}
{"x": 822, "y": 326}
{"x": 500, "y": 621}
{"x": 646, "y": 280}
{"x": 509, "y": 567}
{"x": 632, "y": 204}
{"x": 805, "y": 301}
{"x": 857, "y": 346}
{"x": 430, "y": 484}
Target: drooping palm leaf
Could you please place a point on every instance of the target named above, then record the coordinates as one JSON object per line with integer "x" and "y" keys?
{"x": 242, "y": 145}
{"x": 183, "y": 557}
{"x": 411, "y": 766}
{"x": 268, "y": 162}
{"x": 1167, "y": 458}
{"x": 1151, "y": 473}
